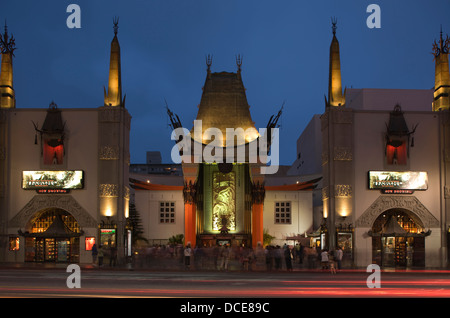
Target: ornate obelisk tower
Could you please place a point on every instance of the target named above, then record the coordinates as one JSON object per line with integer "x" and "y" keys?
{"x": 337, "y": 150}
{"x": 7, "y": 46}
{"x": 442, "y": 76}
{"x": 114, "y": 158}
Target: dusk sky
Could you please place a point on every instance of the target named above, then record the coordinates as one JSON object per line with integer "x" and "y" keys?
{"x": 284, "y": 44}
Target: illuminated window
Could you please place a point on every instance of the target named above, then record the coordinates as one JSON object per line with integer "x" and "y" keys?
{"x": 167, "y": 212}
{"x": 283, "y": 213}
{"x": 90, "y": 241}
{"x": 14, "y": 243}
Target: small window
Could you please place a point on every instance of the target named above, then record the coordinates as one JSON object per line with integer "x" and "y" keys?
{"x": 167, "y": 212}
{"x": 283, "y": 212}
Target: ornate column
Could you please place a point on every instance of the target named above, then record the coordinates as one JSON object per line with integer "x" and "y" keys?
{"x": 190, "y": 194}
{"x": 258, "y": 195}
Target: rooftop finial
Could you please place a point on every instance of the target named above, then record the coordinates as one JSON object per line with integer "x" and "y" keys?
{"x": 334, "y": 27}
{"x": 7, "y": 44}
{"x": 442, "y": 47}
{"x": 239, "y": 59}
{"x": 116, "y": 24}
{"x": 209, "y": 61}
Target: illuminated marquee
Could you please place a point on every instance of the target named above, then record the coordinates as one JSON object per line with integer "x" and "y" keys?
{"x": 54, "y": 180}
{"x": 398, "y": 180}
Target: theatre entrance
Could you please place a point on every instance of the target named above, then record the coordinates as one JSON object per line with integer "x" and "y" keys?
{"x": 52, "y": 235}
{"x": 398, "y": 240}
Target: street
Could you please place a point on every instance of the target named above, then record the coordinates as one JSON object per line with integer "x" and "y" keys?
{"x": 22, "y": 283}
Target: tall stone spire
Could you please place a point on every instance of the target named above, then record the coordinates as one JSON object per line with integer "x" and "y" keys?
{"x": 335, "y": 96}
{"x": 7, "y": 47}
{"x": 442, "y": 76}
{"x": 114, "y": 95}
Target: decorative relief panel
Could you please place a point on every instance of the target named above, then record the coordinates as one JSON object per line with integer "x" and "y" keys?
{"x": 447, "y": 192}
{"x": 109, "y": 114}
{"x": 325, "y": 193}
{"x": 343, "y": 190}
{"x": 343, "y": 153}
{"x": 343, "y": 117}
{"x": 224, "y": 201}
{"x": 126, "y": 193}
{"x": 109, "y": 153}
{"x": 108, "y": 190}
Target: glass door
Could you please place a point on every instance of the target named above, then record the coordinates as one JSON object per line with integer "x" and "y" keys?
{"x": 63, "y": 250}
{"x": 50, "y": 250}
{"x": 39, "y": 250}
{"x": 400, "y": 251}
{"x": 388, "y": 257}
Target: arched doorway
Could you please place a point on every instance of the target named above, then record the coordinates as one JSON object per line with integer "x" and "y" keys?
{"x": 398, "y": 239}
{"x": 52, "y": 235}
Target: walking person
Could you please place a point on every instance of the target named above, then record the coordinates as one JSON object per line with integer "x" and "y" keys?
{"x": 225, "y": 258}
{"x": 288, "y": 258}
{"x": 112, "y": 256}
{"x": 100, "y": 255}
{"x": 338, "y": 256}
{"x": 324, "y": 259}
{"x": 332, "y": 264}
{"x": 277, "y": 257}
{"x": 94, "y": 254}
{"x": 187, "y": 257}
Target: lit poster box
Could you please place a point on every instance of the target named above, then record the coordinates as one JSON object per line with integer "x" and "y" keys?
{"x": 398, "y": 180}
{"x": 67, "y": 179}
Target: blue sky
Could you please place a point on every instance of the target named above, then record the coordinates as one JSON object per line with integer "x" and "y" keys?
{"x": 284, "y": 44}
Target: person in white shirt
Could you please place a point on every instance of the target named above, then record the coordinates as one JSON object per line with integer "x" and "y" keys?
{"x": 324, "y": 259}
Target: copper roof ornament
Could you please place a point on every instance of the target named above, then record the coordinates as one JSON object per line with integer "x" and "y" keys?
{"x": 208, "y": 62}
{"x": 441, "y": 47}
{"x": 333, "y": 23}
{"x": 7, "y": 44}
{"x": 239, "y": 59}
{"x": 116, "y": 25}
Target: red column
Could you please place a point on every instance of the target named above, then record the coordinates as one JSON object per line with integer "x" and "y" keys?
{"x": 257, "y": 224}
{"x": 189, "y": 224}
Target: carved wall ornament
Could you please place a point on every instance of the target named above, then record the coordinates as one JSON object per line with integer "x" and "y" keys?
{"x": 384, "y": 203}
{"x": 325, "y": 193}
{"x": 126, "y": 193}
{"x": 109, "y": 153}
{"x": 42, "y": 201}
{"x": 343, "y": 153}
{"x": 258, "y": 192}
{"x": 343, "y": 190}
{"x": 447, "y": 192}
{"x": 190, "y": 192}
{"x": 108, "y": 190}
{"x": 109, "y": 114}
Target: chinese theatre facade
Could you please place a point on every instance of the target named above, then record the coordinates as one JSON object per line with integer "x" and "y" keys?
{"x": 224, "y": 188}
{"x": 385, "y": 170}
{"x": 64, "y": 173}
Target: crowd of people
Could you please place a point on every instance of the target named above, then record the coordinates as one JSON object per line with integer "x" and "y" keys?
{"x": 225, "y": 258}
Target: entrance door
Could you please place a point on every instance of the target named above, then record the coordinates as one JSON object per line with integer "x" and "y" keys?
{"x": 63, "y": 250}
{"x": 50, "y": 250}
{"x": 400, "y": 252}
{"x": 388, "y": 251}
